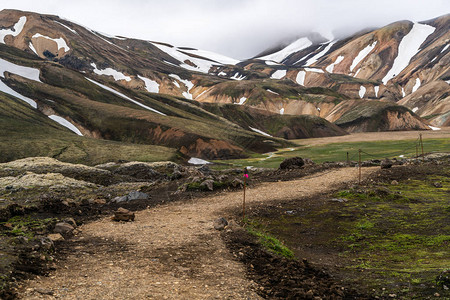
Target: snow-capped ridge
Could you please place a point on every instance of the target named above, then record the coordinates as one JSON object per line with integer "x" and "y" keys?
{"x": 296, "y": 46}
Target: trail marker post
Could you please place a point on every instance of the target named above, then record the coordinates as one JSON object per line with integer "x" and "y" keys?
{"x": 359, "y": 163}
{"x": 245, "y": 183}
{"x": 421, "y": 144}
{"x": 348, "y": 160}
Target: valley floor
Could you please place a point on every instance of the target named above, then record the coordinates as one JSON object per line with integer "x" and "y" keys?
{"x": 377, "y": 136}
{"x": 171, "y": 251}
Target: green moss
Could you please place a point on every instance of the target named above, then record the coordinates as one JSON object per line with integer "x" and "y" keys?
{"x": 268, "y": 241}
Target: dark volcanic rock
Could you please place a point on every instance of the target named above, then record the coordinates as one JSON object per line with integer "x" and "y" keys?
{"x": 292, "y": 163}
{"x": 220, "y": 223}
{"x": 132, "y": 196}
{"x": 386, "y": 164}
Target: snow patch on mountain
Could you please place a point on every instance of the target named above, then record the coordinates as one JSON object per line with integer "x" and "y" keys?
{"x": 189, "y": 85}
{"x": 197, "y": 161}
{"x": 278, "y": 74}
{"x": 124, "y": 96}
{"x": 445, "y": 48}
{"x": 17, "y": 29}
{"x": 270, "y": 91}
{"x": 415, "y": 109}
{"x": 213, "y": 56}
{"x": 403, "y": 92}
{"x": 376, "y": 89}
{"x": 320, "y": 54}
{"x": 59, "y": 41}
{"x": 30, "y": 45}
{"x": 271, "y": 63}
{"x": 408, "y": 47}
{"x": 65, "y": 123}
{"x": 241, "y": 101}
{"x": 65, "y": 26}
{"x": 315, "y": 70}
{"x": 150, "y": 85}
{"x": 201, "y": 65}
{"x": 110, "y": 72}
{"x": 6, "y": 89}
{"x": 237, "y": 76}
{"x": 357, "y": 72}
{"x": 330, "y": 68}
{"x": 27, "y": 72}
{"x": 416, "y": 86}
{"x": 301, "y": 77}
{"x": 362, "y": 91}
{"x": 282, "y": 111}
{"x": 259, "y": 131}
{"x": 362, "y": 54}
{"x": 434, "y": 128}
{"x": 296, "y": 46}
{"x": 222, "y": 74}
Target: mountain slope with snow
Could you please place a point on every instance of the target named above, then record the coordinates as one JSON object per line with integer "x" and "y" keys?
{"x": 129, "y": 90}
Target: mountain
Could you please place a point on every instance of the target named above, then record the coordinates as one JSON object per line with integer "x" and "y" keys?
{"x": 93, "y": 89}
{"x": 405, "y": 63}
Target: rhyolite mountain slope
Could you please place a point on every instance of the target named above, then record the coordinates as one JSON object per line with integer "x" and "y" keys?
{"x": 207, "y": 105}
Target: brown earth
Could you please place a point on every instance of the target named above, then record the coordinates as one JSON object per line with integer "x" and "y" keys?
{"x": 171, "y": 251}
{"x": 378, "y": 136}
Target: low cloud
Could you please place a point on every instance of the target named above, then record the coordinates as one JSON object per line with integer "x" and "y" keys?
{"x": 238, "y": 28}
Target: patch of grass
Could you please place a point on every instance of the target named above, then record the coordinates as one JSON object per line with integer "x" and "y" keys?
{"x": 268, "y": 241}
{"x": 26, "y": 225}
{"x": 338, "y": 152}
{"x": 387, "y": 236}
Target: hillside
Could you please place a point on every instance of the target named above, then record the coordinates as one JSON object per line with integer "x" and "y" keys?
{"x": 107, "y": 88}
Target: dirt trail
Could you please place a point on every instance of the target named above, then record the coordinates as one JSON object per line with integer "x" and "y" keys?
{"x": 170, "y": 252}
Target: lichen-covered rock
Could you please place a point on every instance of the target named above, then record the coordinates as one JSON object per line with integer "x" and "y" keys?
{"x": 207, "y": 185}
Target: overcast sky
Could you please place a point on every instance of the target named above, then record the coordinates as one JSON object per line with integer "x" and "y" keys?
{"x": 237, "y": 28}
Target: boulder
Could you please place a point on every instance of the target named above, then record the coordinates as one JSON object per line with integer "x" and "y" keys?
{"x": 437, "y": 184}
{"x": 207, "y": 185}
{"x": 138, "y": 170}
{"x": 136, "y": 195}
{"x": 132, "y": 196}
{"x": 237, "y": 183}
{"x": 70, "y": 221}
{"x": 122, "y": 214}
{"x": 220, "y": 223}
{"x": 386, "y": 164}
{"x": 65, "y": 229}
{"x": 292, "y": 163}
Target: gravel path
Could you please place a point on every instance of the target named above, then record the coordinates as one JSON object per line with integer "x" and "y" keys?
{"x": 170, "y": 252}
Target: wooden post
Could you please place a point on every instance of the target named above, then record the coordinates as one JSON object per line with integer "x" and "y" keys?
{"x": 243, "y": 203}
{"x": 359, "y": 181}
{"x": 421, "y": 144}
{"x": 348, "y": 160}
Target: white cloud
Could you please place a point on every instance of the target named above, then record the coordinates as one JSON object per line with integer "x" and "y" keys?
{"x": 237, "y": 28}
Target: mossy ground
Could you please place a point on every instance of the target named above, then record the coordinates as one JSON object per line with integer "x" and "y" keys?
{"x": 384, "y": 238}
{"x": 338, "y": 152}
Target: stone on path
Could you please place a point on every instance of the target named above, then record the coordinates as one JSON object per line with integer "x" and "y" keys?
{"x": 220, "y": 223}
{"x": 122, "y": 214}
